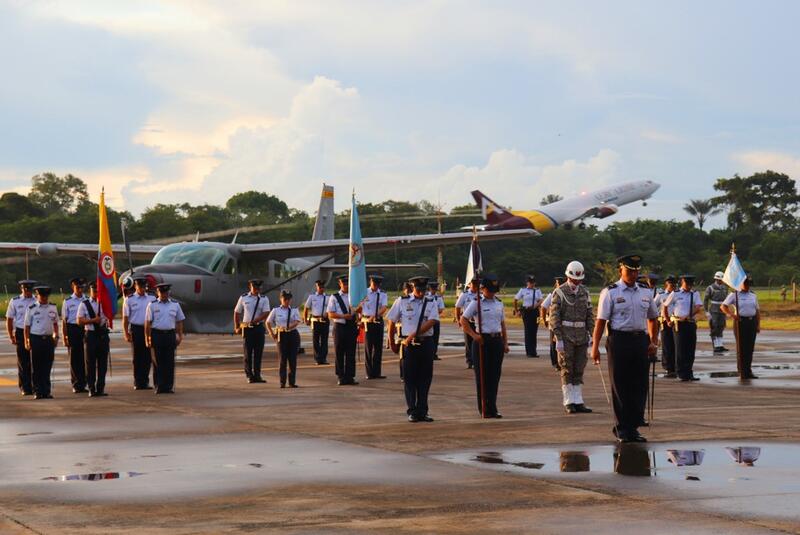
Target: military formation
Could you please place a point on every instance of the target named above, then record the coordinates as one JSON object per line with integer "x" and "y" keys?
{"x": 634, "y": 315}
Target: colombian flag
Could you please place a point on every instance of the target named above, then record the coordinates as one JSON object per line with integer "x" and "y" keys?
{"x": 106, "y": 275}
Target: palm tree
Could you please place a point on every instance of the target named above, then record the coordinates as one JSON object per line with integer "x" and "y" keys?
{"x": 701, "y": 210}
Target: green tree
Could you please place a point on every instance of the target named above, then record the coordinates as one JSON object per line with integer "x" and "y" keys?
{"x": 550, "y": 198}
{"x": 766, "y": 200}
{"x": 62, "y": 194}
{"x": 257, "y": 207}
{"x": 14, "y": 207}
{"x": 701, "y": 210}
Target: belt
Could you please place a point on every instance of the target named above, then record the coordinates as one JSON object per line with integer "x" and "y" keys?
{"x": 573, "y": 323}
{"x": 748, "y": 318}
{"x": 164, "y": 331}
{"x": 627, "y": 333}
{"x": 716, "y": 302}
{"x": 43, "y": 336}
{"x": 318, "y": 319}
{"x": 682, "y": 320}
{"x": 493, "y": 335}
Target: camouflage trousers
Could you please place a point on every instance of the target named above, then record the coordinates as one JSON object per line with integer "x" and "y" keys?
{"x": 572, "y": 361}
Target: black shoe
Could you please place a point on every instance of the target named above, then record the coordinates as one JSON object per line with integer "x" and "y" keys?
{"x": 425, "y": 418}
{"x": 723, "y": 349}
{"x": 580, "y": 407}
{"x": 164, "y": 391}
{"x": 436, "y": 357}
{"x": 26, "y": 393}
{"x": 341, "y": 382}
{"x": 690, "y": 378}
{"x": 324, "y": 362}
{"x": 145, "y": 387}
{"x": 380, "y": 377}
{"x": 643, "y": 424}
{"x": 48, "y": 396}
{"x": 353, "y": 382}
{"x": 259, "y": 379}
{"x": 751, "y": 376}
{"x": 670, "y": 375}
{"x": 717, "y": 350}
{"x": 283, "y": 385}
{"x": 92, "y": 393}
{"x": 79, "y": 390}
{"x": 533, "y": 356}
{"x": 570, "y": 408}
{"x": 251, "y": 380}
{"x": 469, "y": 365}
{"x": 497, "y": 415}
{"x": 293, "y": 386}
{"x": 412, "y": 418}
{"x": 636, "y": 437}
{"x": 38, "y": 396}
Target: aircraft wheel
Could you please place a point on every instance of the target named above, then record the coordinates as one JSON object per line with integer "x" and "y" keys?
{"x": 582, "y": 225}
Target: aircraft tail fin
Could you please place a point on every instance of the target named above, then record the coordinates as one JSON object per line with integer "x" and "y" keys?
{"x": 323, "y": 226}
{"x": 492, "y": 212}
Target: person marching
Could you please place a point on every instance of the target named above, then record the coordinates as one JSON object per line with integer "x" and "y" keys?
{"x": 248, "y": 319}
{"x": 630, "y": 314}
{"x": 91, "y": 317}
{"x": 438, "y": 299}
{"x": 163, "y": 329}
{"x": 41, "y": 339}
{"x": 530, "y": 298}
{"x": 491, "y": 334}
{"x": 372, "y": 309}
{"x": 667, "y": 335}
{"x": 73, "y": 334}
{"x": 712, "y": 301}
{"x": 418, "y": 314}
{"x": 345, "y": 333}
{"x": 407, "y": 291}
{"x": 545, "y": 314}
{"x": 315, "y": 314}
{"x": 571, "y": 321}
{"x": 15, "y": 325}
{"x": 685, "y": 305}
{"x": 133, "y": 310}
{"x": 464, "y": 300}
{"x": 282, "y": 323}
{"x": 743, "y": 308}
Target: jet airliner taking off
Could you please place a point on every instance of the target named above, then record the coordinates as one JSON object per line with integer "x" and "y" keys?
{"x": 598, "y": 204}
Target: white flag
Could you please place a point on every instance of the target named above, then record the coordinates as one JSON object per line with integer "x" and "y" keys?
{"x": 734, "y": 273}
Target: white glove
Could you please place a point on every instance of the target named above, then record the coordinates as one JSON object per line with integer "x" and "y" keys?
{"x": 559, "y": 346}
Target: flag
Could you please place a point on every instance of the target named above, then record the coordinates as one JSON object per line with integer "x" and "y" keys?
{"x": 734, "y": 273}
{"x": 474, "y": 262}
{"x": 106, "y": 274}
{"x": 357, "y": 264}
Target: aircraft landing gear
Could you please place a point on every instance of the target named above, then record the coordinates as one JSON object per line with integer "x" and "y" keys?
{"x": 582, "y": 225}
{"x": 644, "y": 203}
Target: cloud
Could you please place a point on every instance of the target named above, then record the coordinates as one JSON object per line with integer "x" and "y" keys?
{"x": 761, "y": 160}
{"x": 660, "y": 136}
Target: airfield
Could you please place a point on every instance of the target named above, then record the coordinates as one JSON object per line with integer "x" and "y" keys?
{"x": 222, "y": 455}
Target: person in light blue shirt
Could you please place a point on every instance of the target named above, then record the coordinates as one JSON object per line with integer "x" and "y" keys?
{"x": 164, "y": 333}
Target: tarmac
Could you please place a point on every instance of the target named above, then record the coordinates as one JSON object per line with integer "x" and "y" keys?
{"x": 222, "y": 455}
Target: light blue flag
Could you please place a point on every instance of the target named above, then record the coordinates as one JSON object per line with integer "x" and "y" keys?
{"x": 734, "y": 273}
{"x": 357, "y": 262}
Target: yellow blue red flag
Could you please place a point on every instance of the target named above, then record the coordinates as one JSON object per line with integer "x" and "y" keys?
{"x": 106, "y": 274}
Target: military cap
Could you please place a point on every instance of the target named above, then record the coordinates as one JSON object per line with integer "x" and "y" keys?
{"x": 654, "y": 276}
{"x": 530, "y": 278}
{"x": 670, "y": 278}
{"x": 719, "y": 275}
{"x": 433, "y": 284}
{"x": 27, "y": 283}
{"x": 140, "y": 280}
{"x": 687, "y": 277}
{"x": 80, "y": 281}
{"x": 631, "y": 261}
{"x": 286, "y": 294}
{"x": 319, "y": 282}
{"x": 343, "y": 278}
{"x": 163, "y": 286}
{"x": 375, "y": 277}
{"x": 419, "y": 281}
{"x": 474, "y": 278}
{"x": 93, "y": 284}
{"x": 127, "y": 283}
{"x": 559, "y": 279}
{"x": 749, "y": 278}
{"x": 490, "y": 282}
{"x": 42, "y": 289}
{"x": 255, "y": 282}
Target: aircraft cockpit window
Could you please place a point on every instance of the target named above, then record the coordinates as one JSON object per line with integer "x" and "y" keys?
{"x": 230, "y": 267}
{"x": 195, "y": 254}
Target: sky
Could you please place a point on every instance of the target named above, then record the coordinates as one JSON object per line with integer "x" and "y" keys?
{"x": 194, "y": 101}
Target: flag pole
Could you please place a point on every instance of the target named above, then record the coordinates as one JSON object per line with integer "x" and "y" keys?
{"x": 736, "y": 320}
{"x": 481, "y": 363}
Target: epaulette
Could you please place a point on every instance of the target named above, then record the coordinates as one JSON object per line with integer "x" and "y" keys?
{"x": 33, "y": 305}
{"x": 612, "y": 286}
{"x": 404, "y": 296}
{"x": 17, "y": 297}
{"x": 244, "y": 294}
{"x": 642, "y": 285}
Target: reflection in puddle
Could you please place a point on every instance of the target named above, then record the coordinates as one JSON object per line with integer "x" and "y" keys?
{"x": 744, "y": 455}
{"x": 632, "y": 460}
{"x": 573, "y": 461}
{"x": 686, "y": 457}
{"x": 492, "y": 457}
{"x": 96, "y": 476}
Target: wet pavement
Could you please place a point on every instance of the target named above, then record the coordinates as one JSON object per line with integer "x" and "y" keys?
{"x": 222, "y": 455}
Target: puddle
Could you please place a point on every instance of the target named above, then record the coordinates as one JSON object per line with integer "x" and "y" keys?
{"x": 34, "y": 433}
{"x": 96, "y": 476}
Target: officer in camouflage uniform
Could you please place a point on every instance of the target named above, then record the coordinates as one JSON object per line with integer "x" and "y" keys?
{"x": 571, "y": 321}
{"x": 715, "y": 295}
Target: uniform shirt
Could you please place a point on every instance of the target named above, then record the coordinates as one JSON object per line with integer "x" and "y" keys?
{"x": 528, "y": 296}
{"x": 547, "y": 301}
{"x": 333, "y": 306}
{"x": 394, "y": 312}
{"x": 715, "y": 295}
{"x": 17, "y": 308}
{"x": 465, "y": 299}
{"x": 281, "y": 317}
{"x": 626, "y": 308}
{"x": 83, "y": 312}
{"x": 492, "y": 315}
{"x": 438, "y": 299}
{"x": 317, "y": 303}
{"x": 373, "y": 302}
{"x": 748, "y": 303}
{"x": 683, "y": 302}
{"x": 69, "y": 310}
{"x": 661, "y": 299}
{"x": 135, "y": 306}
{"x": 247, "y": 304}
{"x": 40, "y": 318}
{"x": 407, "y": 312}
{"x": 163, "y": 315}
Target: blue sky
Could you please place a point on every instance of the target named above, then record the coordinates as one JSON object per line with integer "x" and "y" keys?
{"x": 194, "y": 101}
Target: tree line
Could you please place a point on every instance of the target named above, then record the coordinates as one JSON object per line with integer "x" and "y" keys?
{"x": 761, "y": 219}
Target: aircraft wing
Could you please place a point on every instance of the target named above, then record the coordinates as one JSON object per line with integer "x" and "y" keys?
{"x": 53, "y": 249}
{"x": 599, "y": 211}
{"x": 322, "y": 247}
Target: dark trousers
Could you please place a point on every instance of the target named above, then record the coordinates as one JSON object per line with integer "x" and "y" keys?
{"x": 164, "y": 359}
{"x": 530, "y": 319}
{"x": 77, "y": 366}
{"x": 97, "y": 348}
{"x": 253, "y": 343}
{"x": 628, "y": 368}
{"x": 42, "y": 355}
{"x": 319, "y": 333}
{"x": 417, "y": 363}
{"x": 24, "y": 380}
{"x": 668, "y": 350}
{"x": 288, "y": 344}
{"x": 685, "y": 344}
{"x": 468, "y": 346}
{"x": 344, "y": 340}
{"x": 141, "y": 357}
{"x": 553, "y": 351}
{"x": 373, "y": 348}
{"x": 436, "y": 332}
{"x": 493, "y": 366}
{"x": 746, "y": 337}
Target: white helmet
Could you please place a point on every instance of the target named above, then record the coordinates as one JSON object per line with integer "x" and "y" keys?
{"x": 575, "y": 271}
{"x": 719, "y": 275}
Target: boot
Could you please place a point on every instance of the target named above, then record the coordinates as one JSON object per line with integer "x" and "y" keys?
{"x": 577, "y": 399}
{"x": 566, "y": 391}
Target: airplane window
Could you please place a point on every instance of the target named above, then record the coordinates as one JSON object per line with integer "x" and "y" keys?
{"x": 195, "y": 254}
{"x": 230, "y": 267}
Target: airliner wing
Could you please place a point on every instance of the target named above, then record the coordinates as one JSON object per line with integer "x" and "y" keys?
{"x": 52, "y": 249}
